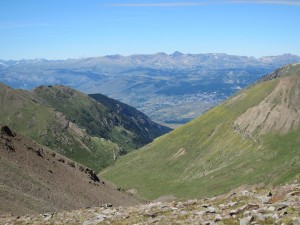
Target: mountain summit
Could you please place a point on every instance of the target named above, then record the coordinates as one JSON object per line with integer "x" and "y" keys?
{"x": 251, "y": 138}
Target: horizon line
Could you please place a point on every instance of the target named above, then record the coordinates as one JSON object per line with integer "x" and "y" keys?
{"x": 135, "y": 54}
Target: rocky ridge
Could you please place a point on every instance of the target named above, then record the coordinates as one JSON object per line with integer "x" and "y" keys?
{"x": 247, "y": 205}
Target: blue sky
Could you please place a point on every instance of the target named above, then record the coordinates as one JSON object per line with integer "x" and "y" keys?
{"x": 59, "y": 29}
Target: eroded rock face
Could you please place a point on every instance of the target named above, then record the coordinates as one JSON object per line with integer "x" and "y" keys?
{"x": 282, "y": 208}
{"x": 278, "y": 112}
{"x": 6, "y": 131}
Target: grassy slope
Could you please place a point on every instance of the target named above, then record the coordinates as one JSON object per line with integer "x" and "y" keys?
{"x": 101, "y": 118}
{"x": 217, "y": 157}
{"x": 76, "y": 125}
{"x": 26, "y": 116}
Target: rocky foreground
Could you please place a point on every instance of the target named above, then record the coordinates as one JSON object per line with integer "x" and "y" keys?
{"x": 243, "y": 206}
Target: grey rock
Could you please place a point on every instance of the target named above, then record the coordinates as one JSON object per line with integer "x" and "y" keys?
{"x": 99, "y": 218}
{"x": 260, "y": 216}
{"x": 231, "y": 204}
{"x": 233, "y": 212}
{"x": 223, "y": 206}
{"x": 296, "y": 221}
{"x": 247, "y": 213}
{"x": 275, "y": 216}
{"x": 271, "y": 209}
{"x": 206, "y": 205}
{"x": 262, "y": 209}
{"x": 218, "y": 218}
{"x": 210, "y": 210}
{"x": 265, "y": 200}
{"x": 48, "y": 216}
{"x": 272, "y": 216}
{"x": 245, "y": 193}
{"x": 281, "y": 205}
{"x": 247, "y": 220}
{"x": 252, "y": 206}
{"x": 199, "y": 213}
{"x": 182, "y": 212}
{"x": 208, "y": 223}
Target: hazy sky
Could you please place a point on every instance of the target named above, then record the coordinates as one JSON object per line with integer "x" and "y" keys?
{"x": 59, "y": 29}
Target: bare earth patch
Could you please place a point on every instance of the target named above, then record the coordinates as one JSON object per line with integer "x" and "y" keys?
{"x": 279, "y": 112}
{"x": 178, "y": 154}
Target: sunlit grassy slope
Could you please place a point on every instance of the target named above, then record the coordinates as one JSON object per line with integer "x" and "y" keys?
{"x": 75, "y": 124}
{"x": 49, "y": 127}
{"x": 212, "y": 155}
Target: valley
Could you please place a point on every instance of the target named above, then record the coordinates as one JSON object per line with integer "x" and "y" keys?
{"x": 251, "y": 138}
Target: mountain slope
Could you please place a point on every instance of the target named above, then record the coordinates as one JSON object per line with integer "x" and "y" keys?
{"x": 102, "y": 117}
{"x": 71, "y": 123}
{"x": 133, "y": 119}
{"x": 34, "y": 179}
{"x": 21, "y": 111}
{"x": 251, "y": 138}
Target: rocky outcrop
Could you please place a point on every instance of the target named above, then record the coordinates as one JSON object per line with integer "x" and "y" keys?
{"x": 279, "y": 112}
{"x": 6, "y": 130}
{"x": 281, "y": 205}
{"x": 281, "y": 72}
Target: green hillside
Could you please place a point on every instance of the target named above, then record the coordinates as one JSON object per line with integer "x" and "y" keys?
{"x": 252, "y": 138}
{"x": 103, "y": 117}
{"x": 71, "y": 123}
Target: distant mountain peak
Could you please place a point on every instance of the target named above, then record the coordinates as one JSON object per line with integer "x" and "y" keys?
{"x": 177, "y": 54}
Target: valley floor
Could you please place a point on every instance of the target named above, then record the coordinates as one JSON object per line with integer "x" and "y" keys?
{"x": 247, "y": 205}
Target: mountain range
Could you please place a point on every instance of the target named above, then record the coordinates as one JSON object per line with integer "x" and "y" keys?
{"x": 93, "y": 131}
{"x": 251, "y": 138}
{"x": 170, "y": 88}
